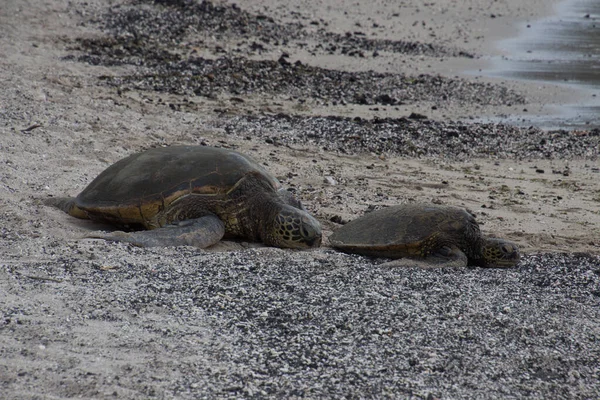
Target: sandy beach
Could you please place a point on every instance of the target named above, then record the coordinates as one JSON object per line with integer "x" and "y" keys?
{"x": 353, "y": 106}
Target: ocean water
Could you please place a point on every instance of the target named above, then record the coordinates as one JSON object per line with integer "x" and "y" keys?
{"x": 562, "y": 49}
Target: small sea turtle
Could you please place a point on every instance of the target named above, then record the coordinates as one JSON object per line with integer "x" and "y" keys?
{"x": 427, "y": 235}
{"x": 193, "y": 195}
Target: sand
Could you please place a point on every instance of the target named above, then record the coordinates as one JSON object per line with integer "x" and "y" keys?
{"x": 90, "y": 319}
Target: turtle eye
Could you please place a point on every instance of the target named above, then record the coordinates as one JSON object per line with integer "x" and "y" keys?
{"x": 305, "y": 232}
{"x": 507, "y": 249}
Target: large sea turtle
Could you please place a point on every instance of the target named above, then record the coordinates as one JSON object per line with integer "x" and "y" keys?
{"x": 426, "y": 235}
{"x": 193, "y": 195}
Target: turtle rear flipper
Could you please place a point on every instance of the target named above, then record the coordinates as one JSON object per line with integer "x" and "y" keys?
{"x": 200, "y": 232}
{"x": 445, "y": 257}
{"x": 67, "y": 204}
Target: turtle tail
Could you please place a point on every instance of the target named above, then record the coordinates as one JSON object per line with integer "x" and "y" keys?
{"x": 67, "y": 204}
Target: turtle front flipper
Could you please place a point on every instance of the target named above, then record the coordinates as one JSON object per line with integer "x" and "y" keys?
{"x": 444, "y": 257}
{"x": 200, "y": 232}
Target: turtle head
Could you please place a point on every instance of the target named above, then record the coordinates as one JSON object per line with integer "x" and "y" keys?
{"x": 292, "y": 227}
{"x": 499, "y": 253}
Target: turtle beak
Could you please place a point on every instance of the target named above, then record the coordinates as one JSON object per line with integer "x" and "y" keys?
{"x": 315, "y": 242}
{"x": 511, "y": 254}
{"x": 311, "y": 231}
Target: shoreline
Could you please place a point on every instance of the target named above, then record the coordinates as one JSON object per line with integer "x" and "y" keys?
{"x": 427, "y": 23}
{"x": 572, "y": 105}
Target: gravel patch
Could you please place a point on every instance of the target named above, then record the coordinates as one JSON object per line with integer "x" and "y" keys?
{"x": 298, "y": 325}
{"x": 157, "y": 39}
{"x": 188, "y": 22}
{"x": 239, "y": 76}
{"x": 416, "y": 136}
